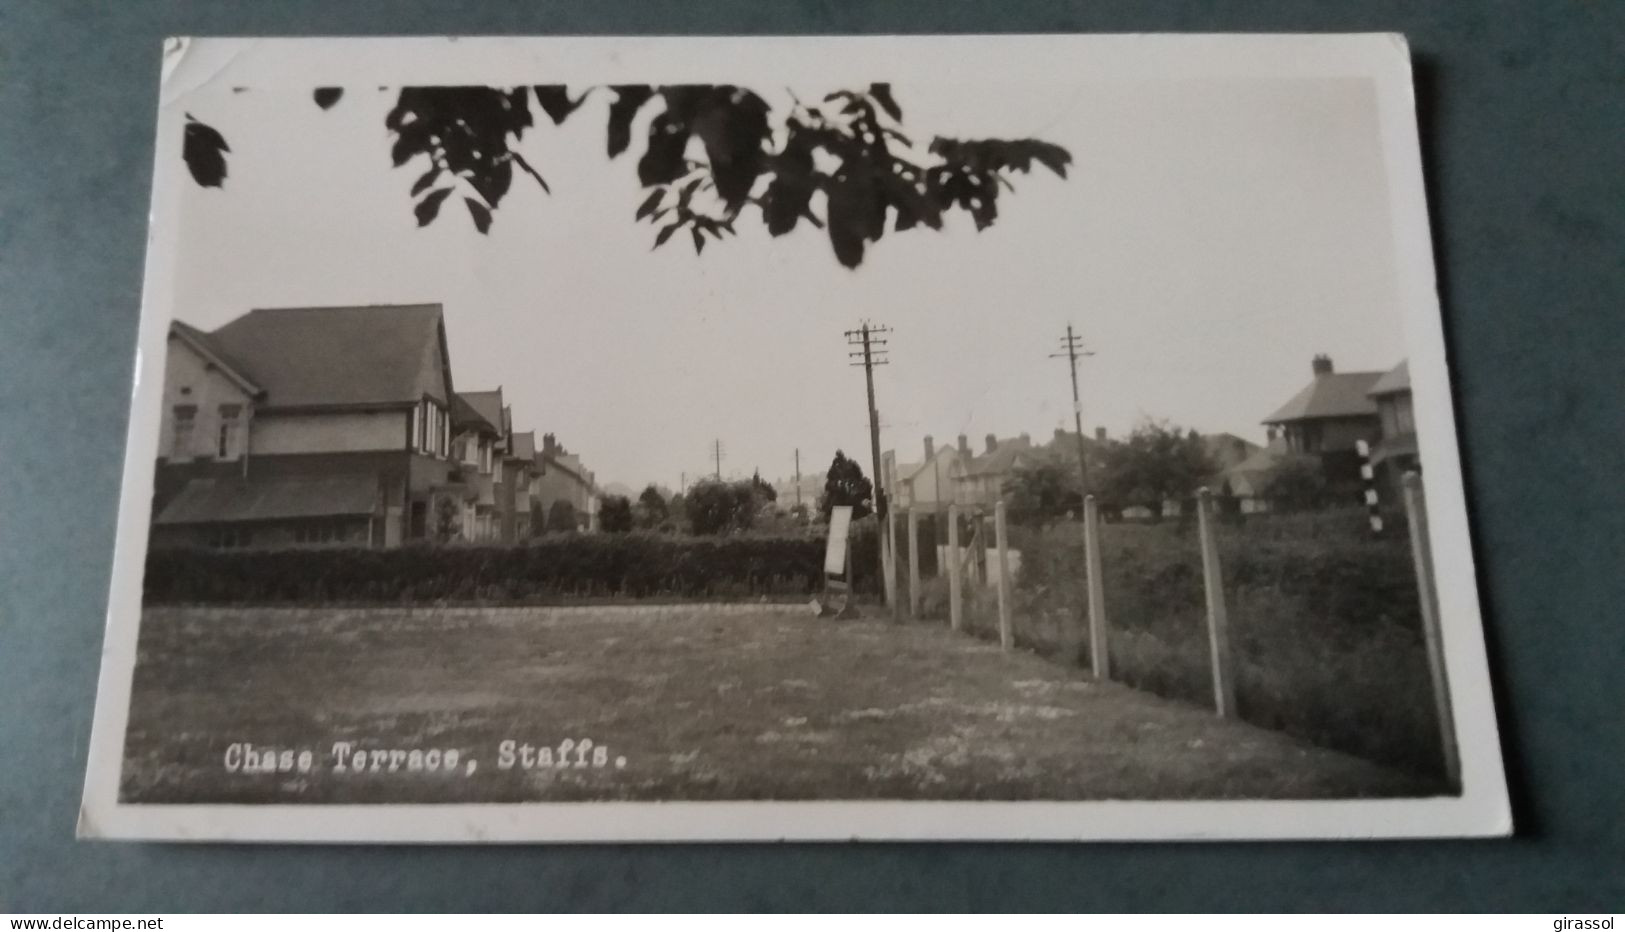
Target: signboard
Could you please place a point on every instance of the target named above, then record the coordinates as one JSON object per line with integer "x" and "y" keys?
{"x": 840, "y": 523}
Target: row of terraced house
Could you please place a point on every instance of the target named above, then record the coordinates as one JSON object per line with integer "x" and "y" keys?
{"x": 1328, "y": 420}
{"x": 323, "y": 426}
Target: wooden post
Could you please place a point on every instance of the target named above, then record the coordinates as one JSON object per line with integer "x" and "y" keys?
{"x": 1099, "y": 649}
{"x": 1428, "y": 591}
{"x": 956, "y": 618}
{"x": 913, "y": 562}
{"x": 888, "y": 562}
{"x": 1006, "y": 637}
{"x": 1218, "y": 620}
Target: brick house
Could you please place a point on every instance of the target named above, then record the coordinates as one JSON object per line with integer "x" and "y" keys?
{"x": 477, "y": 444}
{"x": 305, "y": 427}
{"x": 1327, "y": 419}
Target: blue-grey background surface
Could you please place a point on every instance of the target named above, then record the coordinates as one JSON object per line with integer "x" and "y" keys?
{"x": 1523, "y": 130}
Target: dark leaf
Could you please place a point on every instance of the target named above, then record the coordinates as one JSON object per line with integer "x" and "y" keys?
{"x": 204, "y": 150}
{"x": 428, "y": 208}
{"x": 881, "y": 92}
{"x": 326, "y": 97}
{"x": 628, "y": 98}
{"x": 666, "y": 232}
{"x": 480, "y": 213}
{"x": 424, "y": 181}
{"x": 699, "y": 241}
{"x": 848, "y": 222}
{"x": 556, "y": 102}
{"x": 662, "y": 161}
{"x": 650, "y": 204}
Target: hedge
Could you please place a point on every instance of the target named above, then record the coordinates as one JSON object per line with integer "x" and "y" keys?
{"x": 553, "y": 568}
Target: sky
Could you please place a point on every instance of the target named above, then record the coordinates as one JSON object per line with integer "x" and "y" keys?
{"x": 1211, "y": 238}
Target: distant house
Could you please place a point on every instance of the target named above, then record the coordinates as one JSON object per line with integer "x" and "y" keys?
{"x": 306, "y": 427}
{"x": 1395, "y": 452}
{"x": 477, "y": 445}
{"x": 561, "y": 476}
{"x": 515, "y": 493}
{"x": 1328, "y": 418}
{"x": 928, "y": 483}
{"x": 979, "y": 481}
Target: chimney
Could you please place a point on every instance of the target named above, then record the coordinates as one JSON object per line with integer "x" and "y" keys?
{"x": 1100, "y": 435}
{"x": 549, "y": 444}
{"x": 1060, "y": 435}
{"x": 964, "y": 446}
{"x": 992, "y": 443}
{"x": 1322, "y": 365}
{"x": 930, "y": 448}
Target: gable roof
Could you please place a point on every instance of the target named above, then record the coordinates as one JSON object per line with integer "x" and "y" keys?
{"x": 1397, "y": 379}
{"x": 204, "y": 345}
{"x": 323, "y": 356}
{"x": 1335, "y": 394}
{"x": 478, "y": 409}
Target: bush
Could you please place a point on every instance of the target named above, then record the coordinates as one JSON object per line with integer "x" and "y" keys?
{"x": 1325, "y": 624}
{"x": 549, "y": 569}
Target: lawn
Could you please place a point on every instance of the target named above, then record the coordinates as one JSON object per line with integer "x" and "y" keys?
{"x": 685, "y": 703}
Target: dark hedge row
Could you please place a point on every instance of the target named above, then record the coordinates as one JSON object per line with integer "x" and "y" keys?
{"x": 563, "y": 567}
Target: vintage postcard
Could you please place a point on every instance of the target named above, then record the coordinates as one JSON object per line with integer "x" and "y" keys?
{"x": 579, "y": 439}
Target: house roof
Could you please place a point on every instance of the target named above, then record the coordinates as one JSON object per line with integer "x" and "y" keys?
{"x": 524, "y": 445}
{"x": 1228, "y": 450}
{"x": 205, "y": 345}
{"x": 215, "y": 501}
{"x": 1001, "y": 460}
{"x": 1334, "y": 394}
{"x": 1397, "y": 379}
{"x": 478, "y": 409}
{"x": 322, "y": 356}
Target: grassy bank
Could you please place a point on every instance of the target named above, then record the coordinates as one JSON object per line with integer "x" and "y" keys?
{"x": 1325, "y": 624}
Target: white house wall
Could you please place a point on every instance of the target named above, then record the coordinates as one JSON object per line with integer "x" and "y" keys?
{"x": 189, "y": 379}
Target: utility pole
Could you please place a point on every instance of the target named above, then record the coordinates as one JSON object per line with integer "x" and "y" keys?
{"x": 1071, "y": 349}
{"x": 716, "y": 454}
{"x": 871, "y": 342}
{"x": 798, "y": 478}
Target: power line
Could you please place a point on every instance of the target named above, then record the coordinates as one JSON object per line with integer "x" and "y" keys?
{"x": 1071, "y": 349}
{"x": 869, "y": 342}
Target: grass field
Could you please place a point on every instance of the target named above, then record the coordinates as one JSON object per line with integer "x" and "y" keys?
{"x": 685, "y": 703}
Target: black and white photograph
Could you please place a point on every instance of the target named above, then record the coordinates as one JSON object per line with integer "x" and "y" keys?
{"x": 725, "y": 439}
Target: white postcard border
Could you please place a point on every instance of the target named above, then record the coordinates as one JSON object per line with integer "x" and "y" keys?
{"x": 191, "y": 65}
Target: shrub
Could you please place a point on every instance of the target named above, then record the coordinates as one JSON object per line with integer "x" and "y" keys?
{"x": 549, "y": 569}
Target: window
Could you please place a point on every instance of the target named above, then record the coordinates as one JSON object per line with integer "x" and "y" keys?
{"x": 317, "y": 532}
{"x": 185, "y": 421}
{"x": 1405, "y": 419}
{"x": 226, "y": 442}
{"x": 228, "y": 538}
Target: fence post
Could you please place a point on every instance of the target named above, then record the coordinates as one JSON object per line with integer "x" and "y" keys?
{"x": 913, "y": 562}
{"x": 1006, "y": 637}
{"x": 1099, "y": 650}
{"x": 1428, "y": 591}
{"x": 1218, "y": 620}
{"x": 955, "y": 619}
